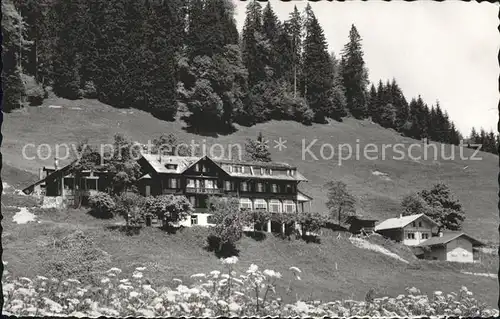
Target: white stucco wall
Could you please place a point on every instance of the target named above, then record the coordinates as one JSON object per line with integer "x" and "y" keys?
{"x": 459, "y": 250}
{"x": 425, "y": 228}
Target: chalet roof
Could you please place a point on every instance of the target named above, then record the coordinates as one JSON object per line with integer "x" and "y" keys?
{"x": 400, "y": 222}
{"x": 277, "y": 165}
{"x": 447, "y": 237}
{"x": 64, "y": 168}
{"x": 302, "y": 197}
{"x": 158, "y": 163}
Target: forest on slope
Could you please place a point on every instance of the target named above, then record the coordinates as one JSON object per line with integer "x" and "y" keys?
{"x": 168, "y": 56}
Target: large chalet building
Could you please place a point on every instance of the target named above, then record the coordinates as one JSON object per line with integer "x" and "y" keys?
{"x": 257, "y": 185}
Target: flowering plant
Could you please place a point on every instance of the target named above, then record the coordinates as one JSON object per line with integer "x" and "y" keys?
{"x": 217, "y": 293}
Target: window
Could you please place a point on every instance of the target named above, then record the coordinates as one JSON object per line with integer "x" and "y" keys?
{"x": 419, "y": 224}
{"x": 228, "y": 185}
{"x": 245, "y": 203}
{"x": 260, "y": 204}
{"x": 194, "y": 219}
{"x": 413, "y": 224}
{"x": 289, "y": 188}
{"x": 171, "y": 166}
{"x": 274, "y": 188}
{"x": 237, "y": 169}
{"x": 410, "y": 236}
{"x": 261, "y": 171}
{"x": 275, "y": 206}
{"x": 190, "y": 183}
{"x": 197, "y": 167}
{"x": 209, "y": 183}
{"x": 425, "y": 236}
{"x": 172, "y": 182}
{"x": 192, "y": 200}
{"x": 289, "y": 206}
{"x": 204, "y": 168}
{"x": 260, "y": 187}
{"x": 270, "y": 172}
{"x": 292, "y": 172}
{"x": 244, "y": 186}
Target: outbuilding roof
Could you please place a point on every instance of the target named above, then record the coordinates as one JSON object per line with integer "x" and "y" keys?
{"x": 400, "y": 222}
{"x": 447, "y": 237}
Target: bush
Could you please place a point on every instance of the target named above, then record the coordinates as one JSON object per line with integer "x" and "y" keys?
{"x": 34, "y": 90}
{"x": 169, "y": 208}
{"x": 102, "y": 205}
{"x": 89, "y": 90}
{"x": 131, "y": 207}
{"x": 216, "y": 294}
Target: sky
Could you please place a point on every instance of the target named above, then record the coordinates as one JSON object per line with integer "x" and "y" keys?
{"x": 443, "y": 51}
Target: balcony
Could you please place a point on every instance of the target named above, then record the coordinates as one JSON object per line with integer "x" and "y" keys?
{"x": 203, "y": 190}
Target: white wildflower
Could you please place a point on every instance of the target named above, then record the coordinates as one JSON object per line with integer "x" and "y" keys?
{"x": 272, "y": 273}
{"x": 105, "y": 280}
{"x": 177, "y": 280}
{"x": 75, "y": 281}
{"x": 198, "y": 275}
{"x": 295, "y": 269}
{"x": 234, "y": 307}
{"x": 215, "y": 273}
{"x": 146, "y": 312}
{"x": 124, "y": 280}
{"x": 54, "y": 306}
{"x": 26, "y": 279}
{"x": 42, "y": 278}
{"x": 185, "y": 307}
{"x": 252, "y": 269}
{"x": 109, "y": 312}
{"x": 133, "y": 294}
{"x": 140, "y": 268}
{"x": 230, "y": 260}
{"x": 137, "y": 275}
{"x": 149, "y": 289}
{"x": 114, "y": 269}
{"x": 222, "y": 303}
{"x": 78, "y": 314}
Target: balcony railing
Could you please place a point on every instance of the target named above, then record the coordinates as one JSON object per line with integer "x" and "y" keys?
{"x": 203, "y": 190}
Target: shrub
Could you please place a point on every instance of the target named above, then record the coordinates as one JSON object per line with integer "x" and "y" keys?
{"x": 34, "y": 90}
{"x": 169, "y": 208}
{"x": 89, "y": 90}
{"x": 229, "y": 221}
{"x": 131, "y": 207}
{"x": 102, "y": 204}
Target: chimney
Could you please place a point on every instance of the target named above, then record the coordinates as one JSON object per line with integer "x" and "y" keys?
{"x": 440, "y": 234}
{"x": 40, "y": 173}
{"x": 56, "y": 163}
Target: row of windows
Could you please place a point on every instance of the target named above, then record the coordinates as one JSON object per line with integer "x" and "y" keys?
{"x": 273, "y": 205}
{"x": 411, "y": 235}
{"x": 414, "y": 224}
{"x": 260, "y": 187}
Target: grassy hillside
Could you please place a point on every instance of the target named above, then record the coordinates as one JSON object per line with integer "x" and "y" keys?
{"x": 333, "y": 269}
{"x": 474, "y": 182}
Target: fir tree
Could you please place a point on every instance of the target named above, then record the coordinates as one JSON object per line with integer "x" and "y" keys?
{"x": 257, "y": 150}
{"x": 253, "y": 43}
{"x": 318, "y": 72}
{"x": 354, "y": 75}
